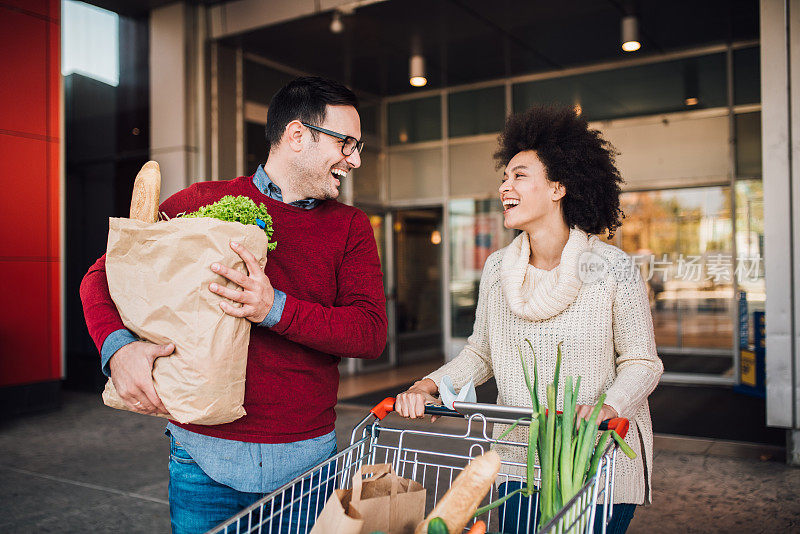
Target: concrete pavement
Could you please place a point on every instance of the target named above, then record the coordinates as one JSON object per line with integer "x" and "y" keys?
{"x": 88, "y": 468}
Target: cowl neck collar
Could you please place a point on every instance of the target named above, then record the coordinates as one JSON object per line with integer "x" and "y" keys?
{"x": 535, "y": 294}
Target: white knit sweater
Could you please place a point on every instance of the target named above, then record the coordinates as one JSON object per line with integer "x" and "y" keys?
{"x": 605, "y": 324}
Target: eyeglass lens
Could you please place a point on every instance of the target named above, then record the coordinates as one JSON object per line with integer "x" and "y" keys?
{"x": 352, "y": 144}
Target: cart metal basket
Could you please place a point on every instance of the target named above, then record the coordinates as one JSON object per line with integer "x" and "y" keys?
{"x": 433, "y": 459}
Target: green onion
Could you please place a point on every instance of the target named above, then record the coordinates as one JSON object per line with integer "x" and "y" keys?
{"x": 624, "y": 447}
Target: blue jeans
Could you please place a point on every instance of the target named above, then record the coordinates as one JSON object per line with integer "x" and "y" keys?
{"x": 514, "y": 514}
{"x": 198, "y": 503}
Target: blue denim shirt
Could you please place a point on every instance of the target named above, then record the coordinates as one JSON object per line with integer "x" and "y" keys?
{"x": 247, "y": 467}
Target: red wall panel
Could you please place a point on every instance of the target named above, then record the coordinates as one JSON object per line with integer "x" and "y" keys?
{"x": 37, "y": 7}
{"x": 53, "y": 362}
{"x": 23, "y": 204}
{"x": 30, "y": 255}
{"x": 53, "y": 80}
{"x": 24, "y": 49}
{"x": 24, "y": 330}
{"x": 53, "y": 205}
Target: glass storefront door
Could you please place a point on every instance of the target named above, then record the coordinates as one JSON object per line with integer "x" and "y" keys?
{"x": 378, "y": 220}
{"x": 417, "y": 242}
{"x": 682, "y": 240}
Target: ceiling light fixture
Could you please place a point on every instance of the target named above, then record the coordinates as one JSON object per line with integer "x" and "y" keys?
{"x": 336, "y": 23}
{"x": 416, "y": 71}
{"x": 691, "y": 101}
{"x": 630, "y": 33}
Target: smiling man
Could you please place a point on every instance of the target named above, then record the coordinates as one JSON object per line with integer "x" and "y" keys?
{"x": 320, "y": 298}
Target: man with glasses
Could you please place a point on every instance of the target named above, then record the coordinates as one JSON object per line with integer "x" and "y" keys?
{"x": 320, "y": 298}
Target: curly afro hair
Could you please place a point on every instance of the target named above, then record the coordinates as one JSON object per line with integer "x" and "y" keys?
{"x": 576, "y": 157}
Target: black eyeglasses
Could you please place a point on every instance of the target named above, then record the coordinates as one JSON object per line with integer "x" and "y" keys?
{"x": 350, "y": 144}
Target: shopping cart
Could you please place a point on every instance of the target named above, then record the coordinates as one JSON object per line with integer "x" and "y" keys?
{"x": 433, "y": 459}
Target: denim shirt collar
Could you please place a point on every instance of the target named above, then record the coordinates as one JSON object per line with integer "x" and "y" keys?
{"x": 269, "y": 188}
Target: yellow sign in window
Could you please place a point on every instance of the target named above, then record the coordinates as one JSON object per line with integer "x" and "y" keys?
{"x": 748, "y": 367}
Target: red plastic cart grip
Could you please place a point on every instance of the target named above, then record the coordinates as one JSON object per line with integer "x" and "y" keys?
{"x": 383, "y": 408}
{"x": 620, "y": 424}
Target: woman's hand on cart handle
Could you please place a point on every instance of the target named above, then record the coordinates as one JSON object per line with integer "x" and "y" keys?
{"x": 618, "y": 424}
{"x": 583, "y": 411}
{"x": 411, "y": 403}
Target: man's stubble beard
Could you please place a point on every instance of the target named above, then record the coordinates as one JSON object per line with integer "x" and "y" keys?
{"x": 309, "y": 184}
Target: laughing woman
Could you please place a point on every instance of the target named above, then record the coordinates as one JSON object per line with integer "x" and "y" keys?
{"x": 561, "y": 190}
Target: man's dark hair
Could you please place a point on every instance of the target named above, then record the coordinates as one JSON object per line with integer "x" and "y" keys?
{"x": 305, "y": 99}
{"x": 574, "y": 156}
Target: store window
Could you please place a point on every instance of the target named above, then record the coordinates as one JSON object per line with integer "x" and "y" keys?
{"x": 369, "y": 114}
{"x": 747, "y": 76}
{"x": 682, "y": 241}
{"x": 680, "y": 85}
{"x": 472, "y": 168}
{"x": 476, "y": 112}
{"x": 415, "y": 174}
{"x": 415, "y": 121}
{"x": 750, "y": 247}
{"x": 86, "y": 27}
{"x": 366, "y": 179}
{"x": 748, "y": 144}
{"x": 476, "y": 230}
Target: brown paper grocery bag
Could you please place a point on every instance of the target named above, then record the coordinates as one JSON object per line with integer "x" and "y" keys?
{"x": 383, "y": 503}
{"x": 387, "y": 503}
{"x": 337, "y": 517}
{"x": 158, "y": 276}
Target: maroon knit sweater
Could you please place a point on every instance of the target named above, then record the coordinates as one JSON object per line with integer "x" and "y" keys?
{"x": 327, "y": 264}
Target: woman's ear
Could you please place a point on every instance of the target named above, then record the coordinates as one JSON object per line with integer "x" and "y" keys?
{"x": 558, "y": 191}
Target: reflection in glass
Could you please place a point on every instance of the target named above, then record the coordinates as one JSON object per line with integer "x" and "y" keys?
{"x": 415, "y": 174}
{"x": 747, "y": 76}
{"x": 377, "y": 220}
{"x": 476, "y": 230}
{"x": 414, "y": 121}
{"x": 472, "y": 169}
{"x": 682, "y": 240}
{"x": 419, "y": 284}
{"x": 476, "y": 112}
{"x": 748, "y": 144}
{"x": 366, "y": 179}
{"x": 750, "y": 246}
{"x": 690, "y": 83}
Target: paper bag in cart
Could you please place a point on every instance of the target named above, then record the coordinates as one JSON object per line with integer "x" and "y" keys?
{"x": 384, "y": 503}
{"x": 158, "y": 276}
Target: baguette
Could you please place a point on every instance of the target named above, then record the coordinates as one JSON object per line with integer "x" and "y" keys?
{"x": 146, "y": 193}
{"x": 465, "y": 494}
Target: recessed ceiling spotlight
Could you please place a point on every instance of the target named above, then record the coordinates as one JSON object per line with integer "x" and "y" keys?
{"x": 692, "y": 101}
{"x": 630, "y": 33}
{"x": 416, "y": 71}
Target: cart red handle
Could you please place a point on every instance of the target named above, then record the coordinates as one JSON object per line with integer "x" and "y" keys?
{"x": 386, "y": 406}
{"x": 619, "y": 424}
{"x": 383, "y": 408}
